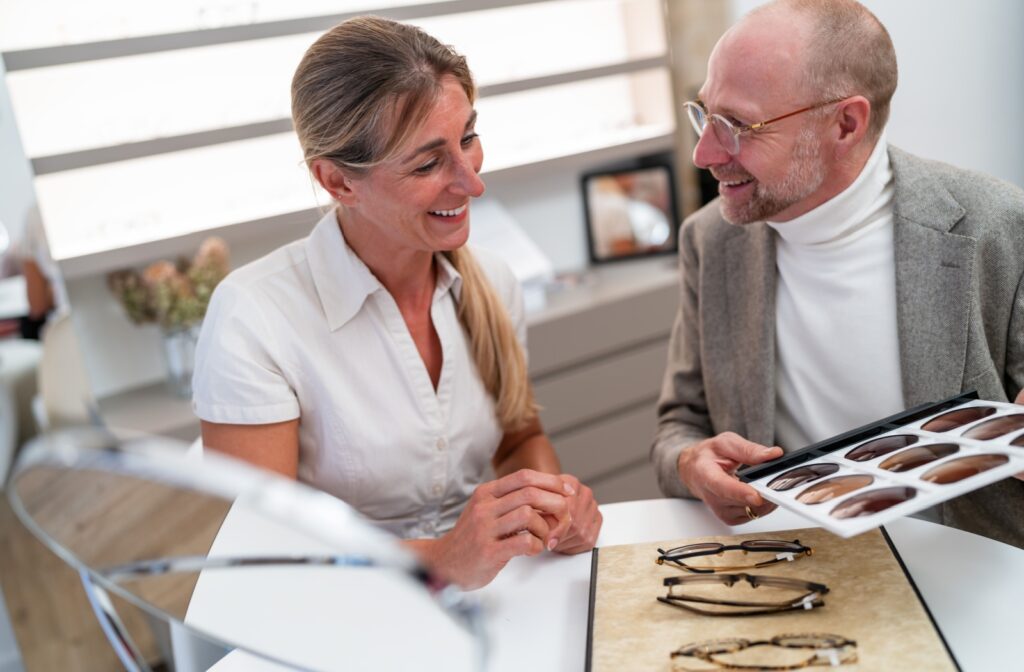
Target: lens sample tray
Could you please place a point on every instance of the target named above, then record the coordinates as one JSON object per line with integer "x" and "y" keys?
{"x": 871, "y": 600}
{"x": 865, "y": 478}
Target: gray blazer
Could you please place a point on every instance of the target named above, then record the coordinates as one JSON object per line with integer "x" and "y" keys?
{"x": 959, "y": 247}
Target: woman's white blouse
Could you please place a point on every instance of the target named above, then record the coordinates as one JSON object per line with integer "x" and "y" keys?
{"x": 308, "y": 332}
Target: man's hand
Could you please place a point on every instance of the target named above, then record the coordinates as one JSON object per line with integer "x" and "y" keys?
{"x": 708, "y": 469}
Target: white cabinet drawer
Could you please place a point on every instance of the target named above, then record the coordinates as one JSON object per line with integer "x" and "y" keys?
{"x": 606, "y": 445}
{"x": 563, "y": 341}
{"x": 589, "y": 393}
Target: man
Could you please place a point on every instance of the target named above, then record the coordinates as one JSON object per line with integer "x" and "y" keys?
{"x": 836, "y": 280}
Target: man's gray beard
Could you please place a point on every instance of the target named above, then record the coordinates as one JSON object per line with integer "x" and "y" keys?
{"x": 806, "y": 174}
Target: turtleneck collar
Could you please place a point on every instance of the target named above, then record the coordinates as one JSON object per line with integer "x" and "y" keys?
{"x": 848, "y": 212}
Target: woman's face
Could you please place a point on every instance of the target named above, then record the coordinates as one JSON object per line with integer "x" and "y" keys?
{"x": 420, "y": 200}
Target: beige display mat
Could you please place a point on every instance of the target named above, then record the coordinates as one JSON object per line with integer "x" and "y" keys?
{"x": 871, "y": 601}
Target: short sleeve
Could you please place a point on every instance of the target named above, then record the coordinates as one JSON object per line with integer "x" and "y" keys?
{"x": 238, "y": 376}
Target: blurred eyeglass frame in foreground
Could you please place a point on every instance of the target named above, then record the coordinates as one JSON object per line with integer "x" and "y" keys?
{"x": 91, "y": 455}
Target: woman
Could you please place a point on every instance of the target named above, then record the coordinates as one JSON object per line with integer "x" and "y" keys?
{"x": 379, "y": 359}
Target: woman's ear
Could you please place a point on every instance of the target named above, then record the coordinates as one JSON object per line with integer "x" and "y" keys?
{"x": 334, "y": 180}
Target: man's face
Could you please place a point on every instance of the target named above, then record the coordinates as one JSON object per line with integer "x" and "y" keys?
{"x": 752, "y": 76}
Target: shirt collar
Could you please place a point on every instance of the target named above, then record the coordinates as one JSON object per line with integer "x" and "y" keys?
{"x": 447, "y": 278}
{"x": 343, "y": 282}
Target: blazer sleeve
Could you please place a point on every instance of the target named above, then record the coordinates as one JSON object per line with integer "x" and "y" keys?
{"x": 1015, "y": 345}
{"x": 683, "y": 416}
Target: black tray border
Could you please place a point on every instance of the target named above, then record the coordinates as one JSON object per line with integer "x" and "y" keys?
{"x": 840, "y": 441}
{"x": 590, "y": 610}
{"x": 920, "y": 597}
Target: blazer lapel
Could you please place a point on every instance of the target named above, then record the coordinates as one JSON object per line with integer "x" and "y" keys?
{"x": 934, "y": 274}
{"x": 750, "y": 315}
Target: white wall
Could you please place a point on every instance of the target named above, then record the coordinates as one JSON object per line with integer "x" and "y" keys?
{"x": 961, "y": 91}
{"x": 16, "y": 192}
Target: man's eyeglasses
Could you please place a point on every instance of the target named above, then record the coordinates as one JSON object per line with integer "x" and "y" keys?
{"x": 692, "y": 593}
{"x": 726, "y": 132}
{"x": 783, "y": 550}
{"x": 792, "y": 652}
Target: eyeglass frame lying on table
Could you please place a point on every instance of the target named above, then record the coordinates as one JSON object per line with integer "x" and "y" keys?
{"x": 811, "y": 598}
{"x": 785, "y": 551}
{"x": 832, "y": 648}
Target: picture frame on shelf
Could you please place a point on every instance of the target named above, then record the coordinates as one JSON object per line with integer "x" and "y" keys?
{"x": 631, "y": 210}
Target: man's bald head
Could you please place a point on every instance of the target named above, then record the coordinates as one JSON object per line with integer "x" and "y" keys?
{"x": 845, "y": 50}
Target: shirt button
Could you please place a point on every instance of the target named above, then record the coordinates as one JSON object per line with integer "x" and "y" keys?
{"x": 441, "y": 444}
{"x": 437, "y": 490}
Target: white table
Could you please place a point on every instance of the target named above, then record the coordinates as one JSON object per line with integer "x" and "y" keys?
{"x": 537, "y": 607}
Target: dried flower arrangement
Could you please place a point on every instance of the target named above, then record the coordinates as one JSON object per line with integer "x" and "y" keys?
{"x": 174, "y": 295}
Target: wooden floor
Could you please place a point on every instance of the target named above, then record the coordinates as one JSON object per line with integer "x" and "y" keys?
{"x": 49, "y": 612}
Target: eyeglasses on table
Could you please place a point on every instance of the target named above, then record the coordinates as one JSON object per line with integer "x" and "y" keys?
{"x": 791, "y": 652}
{"x": 785, "y": 551}
{"x": 685, "y": 592}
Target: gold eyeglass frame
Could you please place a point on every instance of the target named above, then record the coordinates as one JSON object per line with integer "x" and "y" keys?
{"x": 694, "y": 107}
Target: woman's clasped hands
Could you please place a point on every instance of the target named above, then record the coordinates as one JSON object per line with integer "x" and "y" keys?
{"x": 522, "y": 513}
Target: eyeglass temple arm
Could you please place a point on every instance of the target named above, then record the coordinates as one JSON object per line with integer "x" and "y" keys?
{"x": 762, "y": 124}
{"x": 195, "y": 563}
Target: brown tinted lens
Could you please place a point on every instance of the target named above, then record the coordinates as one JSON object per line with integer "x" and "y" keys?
{"x": 770, "y": 544}
{"x": 964, "y": 467}
{"x": 873, "y": 501}
{"x": 877, "y": 447}
{"x": 1019, "y": 441}
{"x": 833, "y": 487}
{"x": 990, "y": 429}
{"x": 814, "y": 640}
{"x": 713, "y": 647}
{"x": 801, "y": 475}
{"x": 912, "y": 458}
{"x": 700, "y": 549}
{"x": 957, "y": 418}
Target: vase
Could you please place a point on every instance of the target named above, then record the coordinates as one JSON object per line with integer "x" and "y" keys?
{"x": 179, "y": 347}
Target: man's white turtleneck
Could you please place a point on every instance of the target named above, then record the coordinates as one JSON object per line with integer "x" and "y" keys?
{"x": 836, "y": 343}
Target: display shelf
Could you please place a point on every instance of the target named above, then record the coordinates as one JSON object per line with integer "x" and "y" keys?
{"x": 159, "y": 238}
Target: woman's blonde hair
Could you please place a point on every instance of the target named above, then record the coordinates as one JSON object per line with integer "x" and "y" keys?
{"x": 359, "y": 93}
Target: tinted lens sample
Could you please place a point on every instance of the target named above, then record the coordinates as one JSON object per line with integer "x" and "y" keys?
{"x": 877, "y": 447}
{"x": 873, "y": 501}
{"x": 833, "y": 487}
{"x": 957, "y": 418}
{"x": 911, "y": 458}
{"x": 964, "y": 467}
{"x": 1019, "y": 441}
{"x": 996, "y": 427}
{"x": 801, "y": 475}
